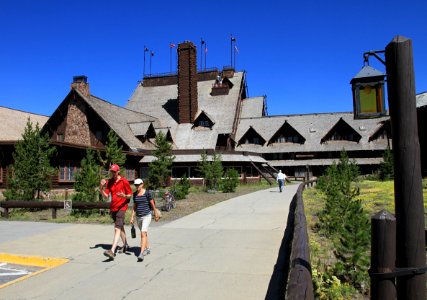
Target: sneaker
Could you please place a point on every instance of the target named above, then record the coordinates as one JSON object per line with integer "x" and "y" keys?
{"x": 109, "y": 254}
{"x": 146, "y": 251}
{"x": 141, "y": 257}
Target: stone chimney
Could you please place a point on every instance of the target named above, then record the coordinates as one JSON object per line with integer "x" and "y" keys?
{"x": 80, "y": 83}
{"x": 187, "y": 82}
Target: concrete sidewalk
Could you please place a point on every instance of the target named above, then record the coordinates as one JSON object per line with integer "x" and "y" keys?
{"x": 226, "y": 251}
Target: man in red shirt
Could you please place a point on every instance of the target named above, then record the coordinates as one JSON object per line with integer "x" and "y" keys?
{"x": 121, "y": 193}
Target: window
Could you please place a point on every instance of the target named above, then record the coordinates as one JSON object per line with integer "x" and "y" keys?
{"x": 98, "y": 135}
{"x": 68, "y": 170}
{"x": 204, "y": 123}
{"x": 60, "y": 137}
{"x": 256, "y": 141}
{"x": 130, "y": 174}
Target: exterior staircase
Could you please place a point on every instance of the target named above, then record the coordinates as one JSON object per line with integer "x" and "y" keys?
{"x": 267, "y": 172}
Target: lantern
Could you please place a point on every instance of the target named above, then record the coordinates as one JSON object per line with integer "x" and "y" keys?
{"x": 368, "y": 93}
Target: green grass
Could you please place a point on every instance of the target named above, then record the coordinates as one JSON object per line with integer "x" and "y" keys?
{"x": 375, "y": 196}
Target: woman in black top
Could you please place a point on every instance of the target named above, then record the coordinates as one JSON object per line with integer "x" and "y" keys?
{"x": 143, "y": 203}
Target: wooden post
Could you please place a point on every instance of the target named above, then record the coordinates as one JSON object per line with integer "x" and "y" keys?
{"x": 409, "y": 207}
{"x": 383, "y": 255}
{"x": 54, "y": 213}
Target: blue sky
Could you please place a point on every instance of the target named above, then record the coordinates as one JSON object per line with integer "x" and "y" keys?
{"x": 300, "y": 54}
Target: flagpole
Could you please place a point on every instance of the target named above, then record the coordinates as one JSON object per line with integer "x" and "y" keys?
{"x": 234, "y": 66}
{"x": 202, "y": 42}
{"x": 231, "y": 50}
{"x": 151, "y": 55}
{"x": 205, "y": 54}
{"x": 170, "y": 55}
{"x": 143, "y": 75}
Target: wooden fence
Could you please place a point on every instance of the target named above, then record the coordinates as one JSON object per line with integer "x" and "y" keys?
{"x": 53, "y": 205}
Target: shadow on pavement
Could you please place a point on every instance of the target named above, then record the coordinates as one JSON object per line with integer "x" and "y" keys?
{"x": 278, "y": 281}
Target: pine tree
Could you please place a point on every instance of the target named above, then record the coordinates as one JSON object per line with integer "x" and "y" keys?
{"x": 352, "y": 245}
{"x": 339, "y": 191}
{"x": 217, "y": 170}
{"x": 160, "y": 168}
{"x": 113, "y": 152}
{"x": 32, "y": 169}
{"x": 387, "y": 165}
{"x": 211, "y": 171}
{"x": 87, "y": 180}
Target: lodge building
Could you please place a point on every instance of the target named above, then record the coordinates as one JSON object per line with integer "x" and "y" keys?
{"x": 205, "y": 110}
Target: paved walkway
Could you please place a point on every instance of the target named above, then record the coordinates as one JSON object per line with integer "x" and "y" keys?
{"x": 226, "y": 251}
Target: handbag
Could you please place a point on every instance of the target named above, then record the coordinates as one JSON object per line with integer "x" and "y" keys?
{"x": 132, "y": 232}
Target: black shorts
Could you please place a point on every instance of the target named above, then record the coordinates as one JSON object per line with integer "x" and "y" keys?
{"x": 119, "y": 218}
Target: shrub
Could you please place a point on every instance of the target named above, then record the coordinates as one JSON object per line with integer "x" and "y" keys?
{"x": 230, "y": 181}
{"x": 181, "y": 189}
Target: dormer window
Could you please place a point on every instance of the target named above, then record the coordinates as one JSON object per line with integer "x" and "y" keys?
{"x": 204, "y": 123}
{"x": 342, "y": 131}
{"x": 252, "y": 137}
{"x": 203, "y": 120}
{"x": 287, "y": 134}
{"x": 60, "y": 137}
{"x": 98, "y": 135}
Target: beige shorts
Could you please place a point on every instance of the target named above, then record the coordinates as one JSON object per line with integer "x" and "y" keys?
{"x": 144, "y": 222}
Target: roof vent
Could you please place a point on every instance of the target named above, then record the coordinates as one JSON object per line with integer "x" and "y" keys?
{"x": 362, "y": 128}
{"x": 312, "y": 129}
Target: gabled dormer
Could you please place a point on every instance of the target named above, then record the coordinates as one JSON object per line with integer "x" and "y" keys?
{"x": 342, "y": 131}
{"x": 287, "y": 134}
{"x": 166, "y": 132}
{"x": 383, "y": 132}
{"x": 143, "y": 130}
{"x": 203, "y": 120}
{"x": 222, "y": 86}
{"x": 252, "y": 137}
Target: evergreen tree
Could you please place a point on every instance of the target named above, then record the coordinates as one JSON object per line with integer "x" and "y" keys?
{"x": 387, "y": 166}
{"x": 181, "y": 189}
{"x": 217, "y": 170}
{"x": 87, "y": 180}
{"x": 204, "y": 167}
{"x": 32, "y": 169}
{"x": 351, "y": 247}
{"x": 230, "y": 181}
{"x": 211, "y": 171}
{"x": 113, "y": 152}
{"x": 160, "y": 168}
{"x": 339, "y": 191}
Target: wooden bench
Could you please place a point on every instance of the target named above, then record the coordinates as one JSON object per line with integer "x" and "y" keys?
{"x": 53, "y": 205}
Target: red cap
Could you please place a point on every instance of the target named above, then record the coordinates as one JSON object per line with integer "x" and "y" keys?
{"x": 114, "y": 168}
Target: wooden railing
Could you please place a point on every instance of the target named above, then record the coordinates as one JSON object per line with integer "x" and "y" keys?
{"x": 291, "y": 278}
{"x": 300, "y": 285}
{"x": 53, "y": 205}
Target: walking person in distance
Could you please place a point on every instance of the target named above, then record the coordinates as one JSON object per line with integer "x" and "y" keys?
{"x": 281, "y": 177}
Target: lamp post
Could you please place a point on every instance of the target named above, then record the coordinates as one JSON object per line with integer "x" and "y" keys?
{"x": 409, "y": 247}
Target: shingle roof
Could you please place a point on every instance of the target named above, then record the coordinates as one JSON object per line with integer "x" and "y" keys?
{"x": 322, "y": 162}
{"x": 118, "y": 118}
{"x": 13, "y": 123}
{"x": 197, "y": 157}
{"x": 421, "y": 99}
{"x": 159, "y": 101}
{"x": 313, "y": 127}
{"x": 252, "y": 107}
